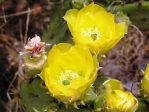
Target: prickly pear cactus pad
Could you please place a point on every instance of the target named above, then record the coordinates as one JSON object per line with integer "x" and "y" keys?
{"x": 35, "y": 96}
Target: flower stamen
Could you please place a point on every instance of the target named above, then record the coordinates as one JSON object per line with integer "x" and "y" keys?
{"x": 67, "y": 76}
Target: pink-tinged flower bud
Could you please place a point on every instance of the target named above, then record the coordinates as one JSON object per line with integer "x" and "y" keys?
{"x": 34, "y": 56}
{"x": 35, "y": 47}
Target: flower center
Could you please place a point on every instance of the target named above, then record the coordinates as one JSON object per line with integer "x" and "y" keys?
{"x": 92, "y": 32}
{"x": 66, "y": 82}
{"x": 67, "y": 76}
{"x": 94, "y": 36}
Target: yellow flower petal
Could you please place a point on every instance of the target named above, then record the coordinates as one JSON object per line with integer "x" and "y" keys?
{"x": 69, "y": 71}
{"x": 94, "y": 28}
{"x": 70, "y": 17}
{"x": 117, "y": 100}
{"x": 120, "y": 101}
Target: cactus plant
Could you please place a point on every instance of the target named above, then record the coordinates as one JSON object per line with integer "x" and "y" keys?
{"x": 35, "y": 97}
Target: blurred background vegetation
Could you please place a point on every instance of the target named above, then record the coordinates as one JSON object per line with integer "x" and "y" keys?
{"x": 21, "y": 19}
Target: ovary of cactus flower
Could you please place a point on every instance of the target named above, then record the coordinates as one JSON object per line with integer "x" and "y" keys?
{"x": 145, "y": 82}
{"x": 69, "y": 72}
{"x": 33, "y": 65}
{"x": 117, "y": 100}
{"x": 95, "y": 28}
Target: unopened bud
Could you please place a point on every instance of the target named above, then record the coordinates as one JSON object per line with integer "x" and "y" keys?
{"x": 145, "y": 82}
{"x": 117, "y": 100}
{"x": 120, "y": 101}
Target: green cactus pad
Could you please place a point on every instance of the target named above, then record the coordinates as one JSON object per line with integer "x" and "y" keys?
{"x": 35, "y": 96}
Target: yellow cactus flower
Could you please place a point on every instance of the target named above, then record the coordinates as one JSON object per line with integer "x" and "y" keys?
{"x": 120, "y": 101}
{"x": 145, "y": 82}
{"x": 117, "y": 100}
{"x": 94, "y": 28}
{"x": 69, "y": 72}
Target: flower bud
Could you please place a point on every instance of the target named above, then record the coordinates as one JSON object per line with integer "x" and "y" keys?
{"x": 34, "y": 56}
{"x": 35, "y": 47}
{"x": 120, "y": 101}
{"x": 145, "y": 82}
{"x": 117, "y": 100}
